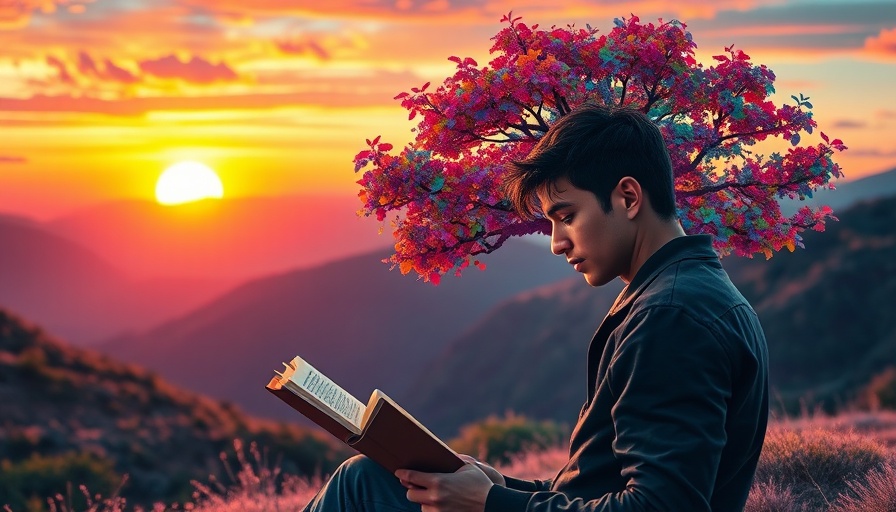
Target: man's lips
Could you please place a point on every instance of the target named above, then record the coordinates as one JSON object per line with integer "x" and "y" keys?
{"x": 576, "y": 262}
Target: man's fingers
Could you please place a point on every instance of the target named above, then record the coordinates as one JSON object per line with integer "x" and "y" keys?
{"x": 466, "y": 458}
{"x": 415, "y": 478}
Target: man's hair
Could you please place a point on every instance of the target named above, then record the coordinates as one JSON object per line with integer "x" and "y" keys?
{"x": 594, "y": 147}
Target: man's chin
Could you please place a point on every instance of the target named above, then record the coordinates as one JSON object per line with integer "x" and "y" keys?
{"x": 596, "y": 281}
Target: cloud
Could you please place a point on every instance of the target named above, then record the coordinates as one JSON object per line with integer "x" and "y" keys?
{"x": 883, "y": 43}
{"x": 849, "y": 124}
{"x": 61, "y": 68}
{"x": 108, "y": 72}
{"x": 86, "y": 64}
{"x": 352, "y": 9}
{"x": 17, "y": 13}
{"x": 819, "y": 27}
{"x": 873, "y": 153}
{"x": 196, "y": 70}
{"x": 302, "y": 46}
{"x": 322, "y": 89}
{"x": 118, "y": 74}
{"x": 12, "y": 159}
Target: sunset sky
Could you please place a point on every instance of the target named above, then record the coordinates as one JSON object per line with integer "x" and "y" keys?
{"x": 98, "y": 97}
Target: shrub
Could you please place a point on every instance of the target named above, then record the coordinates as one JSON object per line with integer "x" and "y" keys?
{"x": 772, "y": 497}
{"x": 816, "y": 466}
{"x": 536, "y": 464}
{"x": 496, "y": 440}
{"x": 874, "y": 493}
{"x": 26, "y": 484}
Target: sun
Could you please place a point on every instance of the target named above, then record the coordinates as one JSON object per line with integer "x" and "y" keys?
{"x": 188, "y": 181}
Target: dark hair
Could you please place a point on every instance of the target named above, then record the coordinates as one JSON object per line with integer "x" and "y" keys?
{"x": 594, "y": 147}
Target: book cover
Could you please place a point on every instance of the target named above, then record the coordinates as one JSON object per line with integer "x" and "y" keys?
{"x": 381, "y": 430}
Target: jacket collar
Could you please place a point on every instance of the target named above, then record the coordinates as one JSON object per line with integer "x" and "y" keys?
{"x": 675, "y": 250}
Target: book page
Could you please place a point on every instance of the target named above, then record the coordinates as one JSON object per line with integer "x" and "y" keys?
{"x": 303, "y": 378}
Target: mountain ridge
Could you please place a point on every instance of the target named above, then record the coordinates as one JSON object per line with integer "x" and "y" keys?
{"x": 355, "y": 320}
{"x": 77, "y": 294}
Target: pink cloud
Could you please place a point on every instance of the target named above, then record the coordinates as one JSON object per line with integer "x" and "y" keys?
{"x": 872, "y": 152}
{"x": 196, "y": 70}
{"x": 86, "y": 64}
{"x": 139, "y": 106}
{"x": 301, "y": 46}
{"x": 64, "y": 75}
{"x": 118, "y": 74}
{"x": 17, "y": 13}
{"x": 849, "y": 124}
{"x": 109, "y": 71}
{"x": 883, "y": 43}
{"x": 12, "y": 159}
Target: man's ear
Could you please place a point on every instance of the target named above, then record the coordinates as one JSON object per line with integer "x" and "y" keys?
{"x": 630, "y": 196}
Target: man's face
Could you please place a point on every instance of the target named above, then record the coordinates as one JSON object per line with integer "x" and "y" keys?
{"x": 600, "y": 245}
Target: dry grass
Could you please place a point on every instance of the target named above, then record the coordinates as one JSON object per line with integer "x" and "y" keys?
{"x": 810, "y": 464}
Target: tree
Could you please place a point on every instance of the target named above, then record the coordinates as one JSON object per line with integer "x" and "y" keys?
{"x": 443, "y": 190}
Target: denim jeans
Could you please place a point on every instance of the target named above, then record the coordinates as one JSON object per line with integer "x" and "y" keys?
{"x": 361, "y": 485}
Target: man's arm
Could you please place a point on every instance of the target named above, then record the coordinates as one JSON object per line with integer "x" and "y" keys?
{"x": 671, "y": 379}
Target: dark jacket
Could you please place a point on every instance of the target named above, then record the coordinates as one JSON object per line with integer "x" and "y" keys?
{"x": 677, "y": 401}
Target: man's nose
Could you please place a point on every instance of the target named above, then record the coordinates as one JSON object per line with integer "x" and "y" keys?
{"x": 559, "y": 244}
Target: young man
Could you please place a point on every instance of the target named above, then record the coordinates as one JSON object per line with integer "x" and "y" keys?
{"x": 677, "y": 402}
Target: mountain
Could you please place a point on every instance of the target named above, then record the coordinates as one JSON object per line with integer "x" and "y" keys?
{"x": 233, "y": 238}
{"x": 355, "y": 320}
{"x": 826, "y": 311}
{"x": 526, "y": 355}
{"x": 86, "y": 418}
{"x": 81, "y": 296}
{"x": 848, "y": 193}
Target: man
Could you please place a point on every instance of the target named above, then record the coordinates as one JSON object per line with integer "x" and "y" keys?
{"x": 677, "y": 401}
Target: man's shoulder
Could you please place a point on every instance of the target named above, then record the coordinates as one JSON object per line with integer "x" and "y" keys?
{"x": 698, "y": 287}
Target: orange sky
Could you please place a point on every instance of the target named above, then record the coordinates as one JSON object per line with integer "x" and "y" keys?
{"x": 98, "y": 97}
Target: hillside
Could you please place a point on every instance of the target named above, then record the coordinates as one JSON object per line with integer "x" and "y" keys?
{"x": 526, "y": 355}
{"x": 848, "y": 193}
{"x": 826, "y": 310}
{"x": 360, "y": 323}
{"x": 61, "y": 403}
{"x": 81, "y": 296}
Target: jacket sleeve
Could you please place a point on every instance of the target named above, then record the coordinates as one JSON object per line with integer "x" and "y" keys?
{"x": 671, "y": 379}
{"x": 526, "y": 485}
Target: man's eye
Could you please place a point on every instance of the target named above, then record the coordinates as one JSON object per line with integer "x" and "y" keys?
{"x": 567, "y": 219}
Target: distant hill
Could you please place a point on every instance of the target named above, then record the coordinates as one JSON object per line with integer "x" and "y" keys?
{"x": 232, "y": 238}
{"x": 59, "y": 402}
{"x": 526, "y": 355}
{"x": 848, "y": 193}
{"x": 80, "y": 296}
{"x": 827, "y": 311}
{"x": 360, "y": 323}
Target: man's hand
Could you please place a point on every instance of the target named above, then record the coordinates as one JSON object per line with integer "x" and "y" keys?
{"x": 489, "y": 471}
{"x": 465, "y": 490}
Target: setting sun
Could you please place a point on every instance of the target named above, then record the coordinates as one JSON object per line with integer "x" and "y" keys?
{"x": 188, "y": 181}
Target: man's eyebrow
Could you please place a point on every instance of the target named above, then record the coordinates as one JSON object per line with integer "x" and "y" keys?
{"x": 557, "y": 206}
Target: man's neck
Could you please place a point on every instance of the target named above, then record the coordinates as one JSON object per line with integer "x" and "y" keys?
{"x": 652, "y": 235}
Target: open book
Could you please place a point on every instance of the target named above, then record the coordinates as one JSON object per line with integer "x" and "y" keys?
{"x": 381, "y": 429}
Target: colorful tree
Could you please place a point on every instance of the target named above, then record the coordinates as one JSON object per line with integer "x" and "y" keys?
{"x": 444, "y": 188}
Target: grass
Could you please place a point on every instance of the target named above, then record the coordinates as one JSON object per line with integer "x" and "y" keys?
{"x": 812, "y": 464}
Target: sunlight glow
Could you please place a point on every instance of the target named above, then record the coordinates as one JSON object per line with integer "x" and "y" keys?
{"x": 188, "y": 181}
